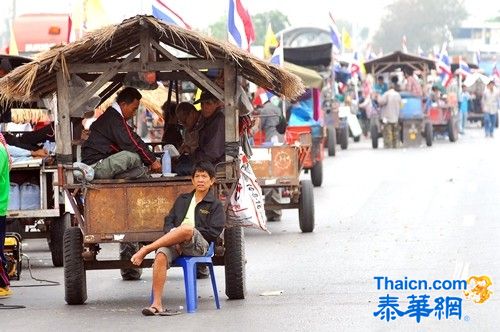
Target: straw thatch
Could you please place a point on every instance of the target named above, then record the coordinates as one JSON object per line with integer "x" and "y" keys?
{"x": 108, "y": 44}
{"x": 152, "y": 100}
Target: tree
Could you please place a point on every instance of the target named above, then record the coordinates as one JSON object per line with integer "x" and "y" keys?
{"x": 278, "y": 20}
{"x": 425, "y": 23}
{"x": 218, "y": 30}
{"x": 496, "y": 18}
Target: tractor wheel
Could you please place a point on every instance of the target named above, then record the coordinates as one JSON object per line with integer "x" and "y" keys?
{"x": 56, "y": 234}
{"x": 75, "y": 278}
{"x": 452, "y": 130}
{"x": 344, "y": 138}
{"x": 428, "y": 133}
{"x": 374, "y": 136}
{"x": 234, "y": 261}
{"x": 317, "y": 174}
{"x": 127, "y": 250}
{"x": 306, "y": 207}
{"x": 331, "y": 140}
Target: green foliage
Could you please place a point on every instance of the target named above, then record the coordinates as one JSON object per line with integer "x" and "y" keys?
{"x": 424, "y": 22}
{"x": 218, "y": 30}
{"x": 278, "y": 20}
{"x": 496, "y": 18}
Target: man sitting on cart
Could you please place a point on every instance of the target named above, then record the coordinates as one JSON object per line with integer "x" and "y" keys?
{"x": 211, "y": 134}
{"x": 195, "y": 220}
{"x": 113, "y": 149}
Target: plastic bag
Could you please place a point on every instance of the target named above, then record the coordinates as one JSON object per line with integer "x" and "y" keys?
{"x": 246, "y": 205}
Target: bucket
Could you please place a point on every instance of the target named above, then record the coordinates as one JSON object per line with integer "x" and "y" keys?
{"x": 30, "y": 196}
{"x": 14, "y": 197}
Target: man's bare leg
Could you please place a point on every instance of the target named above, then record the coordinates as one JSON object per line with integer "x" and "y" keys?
{"x": 159, "y": 278}
{"x": 175, "y": 236}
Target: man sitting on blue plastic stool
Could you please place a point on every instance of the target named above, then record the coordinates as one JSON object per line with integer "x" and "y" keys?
{"x": 195, "y": 220}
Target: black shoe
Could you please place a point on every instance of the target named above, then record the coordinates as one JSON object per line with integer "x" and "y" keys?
{"x": 133, "y": 173}
{"x": 202, "y": 272}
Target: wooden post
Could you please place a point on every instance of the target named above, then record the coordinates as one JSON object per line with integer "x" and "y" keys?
{"x": 231, "y": 112}
{"x": 63, "y": 125}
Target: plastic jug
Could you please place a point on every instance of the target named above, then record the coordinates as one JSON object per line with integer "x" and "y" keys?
{"x": 14, "y": 197}
{"x": 50, "y": 147}
{"x": 166, "y": 162}
{"x": 30, "y": 196}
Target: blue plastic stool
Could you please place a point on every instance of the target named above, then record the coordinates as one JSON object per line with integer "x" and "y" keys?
{"x": 188, "y": 264}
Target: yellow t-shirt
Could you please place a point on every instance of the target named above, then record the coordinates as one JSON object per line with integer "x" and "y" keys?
{"x": 189, "y": 218}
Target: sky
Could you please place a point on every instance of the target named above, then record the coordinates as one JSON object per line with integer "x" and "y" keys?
{"x": 201, "y": 13}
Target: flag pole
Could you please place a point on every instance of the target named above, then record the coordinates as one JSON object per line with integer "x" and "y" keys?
{"x": 283, "y": 106}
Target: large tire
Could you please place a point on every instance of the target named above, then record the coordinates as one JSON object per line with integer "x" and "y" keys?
{"x": 331, "y": 140}
{"x": 75, "y": 278}
{"x": 452, "y": 130}
{"x": 428, "y": 134}
{"x": 317, "y": 173}
{"x": 127, "y": 250}
{"x": 234, "y": 261}
{"x": 56, "y": 233}
{"x": 374, "y": 136}
{"x": 344, "y": 138}
{"x": 306, "y": 207}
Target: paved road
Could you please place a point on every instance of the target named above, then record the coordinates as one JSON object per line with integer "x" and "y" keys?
{"x": 423, "y": 213}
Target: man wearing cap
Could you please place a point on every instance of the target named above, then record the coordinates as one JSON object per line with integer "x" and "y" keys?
{"x": 211, "y": 129}
{"x": 491, "y": 103}
{"x": 113, "y": 149}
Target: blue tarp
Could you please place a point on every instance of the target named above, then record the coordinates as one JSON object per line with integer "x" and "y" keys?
{"x": 301, "y": 114}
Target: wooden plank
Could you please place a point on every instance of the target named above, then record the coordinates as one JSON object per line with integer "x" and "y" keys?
{"x": 166, "y": 76}
{"x": 193, "y": 72}
{"x": 91, "y": 89}
{"x": 63, "y": 125}
{"x": 145, "y": 47}
{"x": 64, "y": 150}
{"x": 230, "y": 111}
{"x": 78, "y": 68}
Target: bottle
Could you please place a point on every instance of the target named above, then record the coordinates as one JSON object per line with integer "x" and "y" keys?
{"x": 166, "y": 166}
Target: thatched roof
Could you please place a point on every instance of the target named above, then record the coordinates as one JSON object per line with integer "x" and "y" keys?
{"x": 398, "y": 59}
{"x": 152, "y": 100}
{"x": 114, "y": 42}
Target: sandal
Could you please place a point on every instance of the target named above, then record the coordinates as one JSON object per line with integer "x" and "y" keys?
{"x": 151, "y": 311}
{"x": 170, "y": 312}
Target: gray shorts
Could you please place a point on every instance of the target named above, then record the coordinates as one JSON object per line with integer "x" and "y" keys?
{"x": 198, "y": 246}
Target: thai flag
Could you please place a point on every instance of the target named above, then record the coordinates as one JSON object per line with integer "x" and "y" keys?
{"x": 164, "y": 13}
{"x": 278, "y": 57}
{"x": 239, "y": 25}
{"x": 463, "y": 67}
{"x": 444, "y": 68}
{"x": 335, "y": 35}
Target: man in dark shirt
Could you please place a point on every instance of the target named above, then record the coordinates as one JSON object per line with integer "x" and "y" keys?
{"x": 211, "y": 129}
{"x": 195, "y": 220}
{"x": 113, "y": 149}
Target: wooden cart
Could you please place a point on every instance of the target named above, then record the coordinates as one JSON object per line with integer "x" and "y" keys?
{"x": 131, "y": 212}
